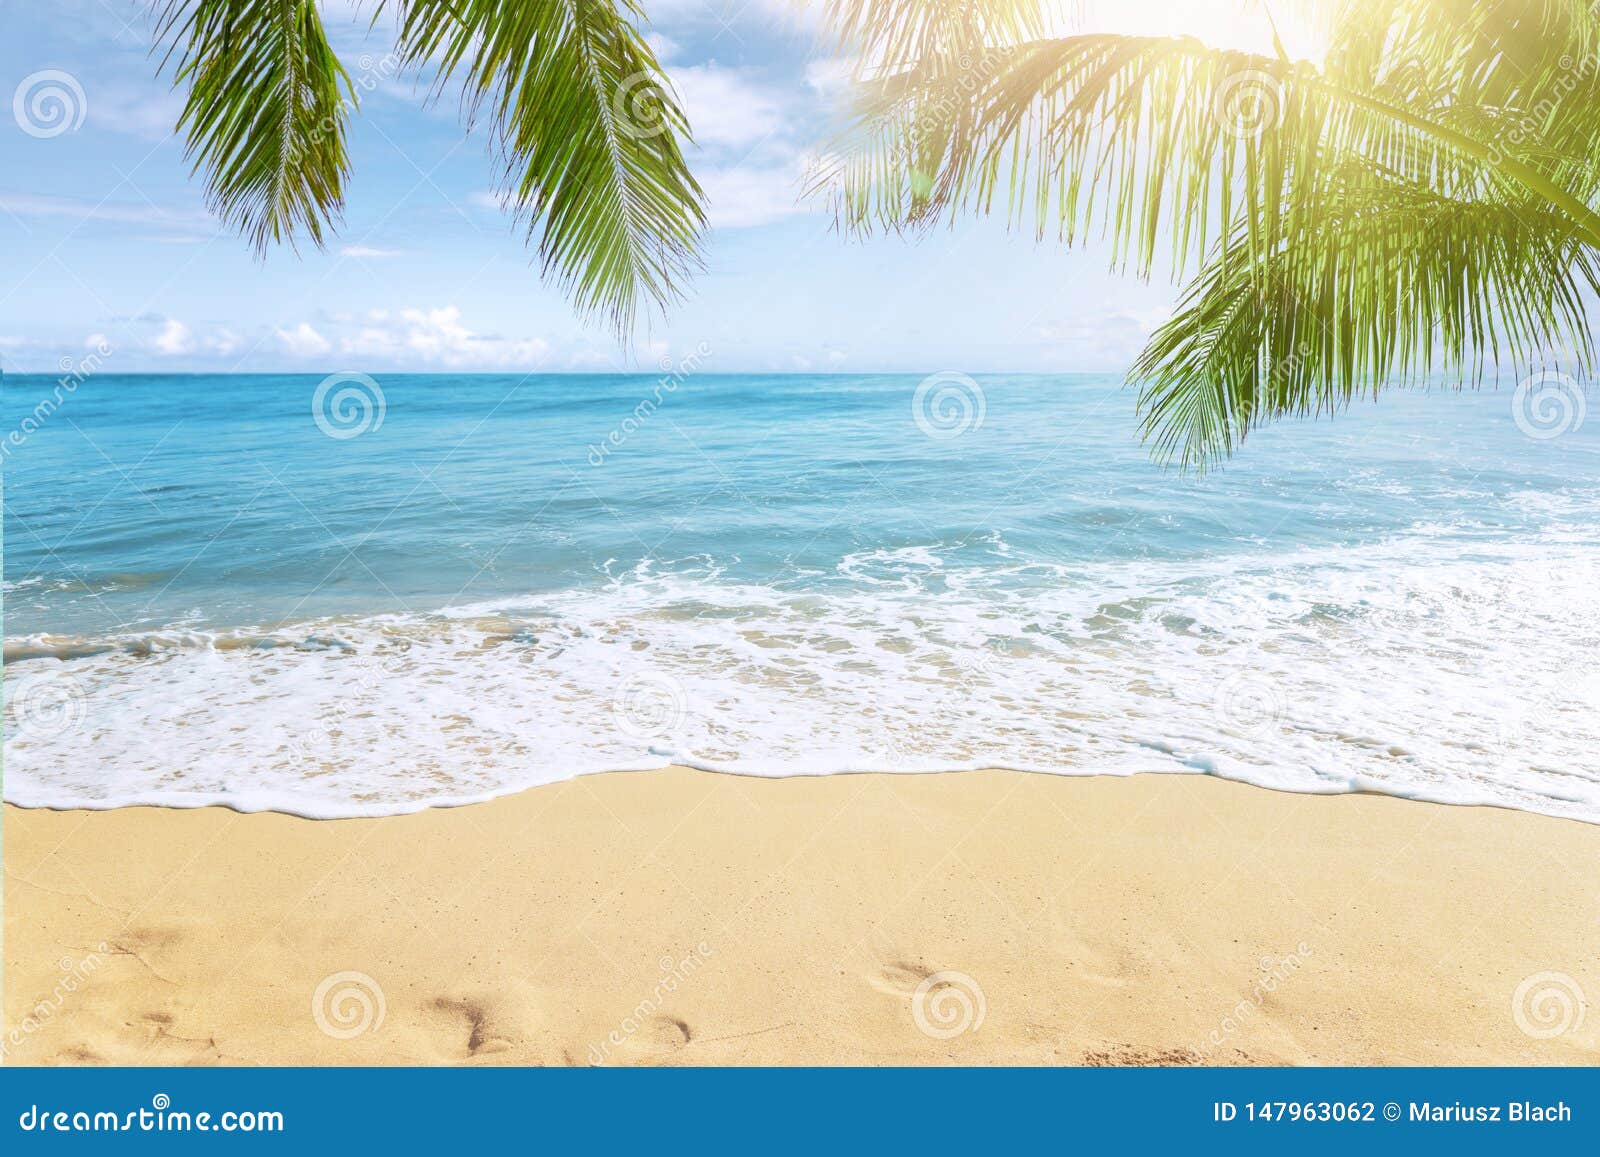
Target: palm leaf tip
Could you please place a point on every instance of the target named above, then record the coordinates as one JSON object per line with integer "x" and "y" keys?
{"x": 265, "y": 114}
{"x": 590, "y": 132}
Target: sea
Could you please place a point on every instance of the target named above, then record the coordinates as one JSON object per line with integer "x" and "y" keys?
{"x": 353, "y": 595}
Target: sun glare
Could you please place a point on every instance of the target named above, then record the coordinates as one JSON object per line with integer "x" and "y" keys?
{"x": 1242, "y": 24}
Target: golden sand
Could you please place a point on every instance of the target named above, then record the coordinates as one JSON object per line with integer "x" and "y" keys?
{"x": 679, "y": 917}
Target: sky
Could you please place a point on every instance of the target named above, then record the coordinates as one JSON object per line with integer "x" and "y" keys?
{"x": 107, "y": 243}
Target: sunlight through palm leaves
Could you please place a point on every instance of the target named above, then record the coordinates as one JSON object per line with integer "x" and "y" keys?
{"x": 1418, "y": 202}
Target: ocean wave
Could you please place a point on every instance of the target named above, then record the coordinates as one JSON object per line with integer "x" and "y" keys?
{"x": 1395, "y": 667}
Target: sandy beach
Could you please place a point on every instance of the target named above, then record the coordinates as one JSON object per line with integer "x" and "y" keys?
{"x": 681, "y": 917}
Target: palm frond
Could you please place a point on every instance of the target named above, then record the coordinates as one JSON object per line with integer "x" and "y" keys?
{"x": 1395, "y": 285}
{"x": 1506, "y": 54}
{"x": 1424, "y": 196}
{"x": 1131, "y": 136}
{"x": 589, "y": 131}
{"x": 265, "y": 114}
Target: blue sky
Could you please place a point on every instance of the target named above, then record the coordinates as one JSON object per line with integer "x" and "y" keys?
{"x": 106, "y": 236}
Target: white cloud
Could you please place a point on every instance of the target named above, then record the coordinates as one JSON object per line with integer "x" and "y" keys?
{"x": 174, "y": 339}
{"x": 756, "y": 15}
{"x": 1112, "y": 337}
{"x": 831, "y": 76}
{"x": 725, "y": 107}
{"x": 1074, "y": 329}
{"x": 741, "y": 196}
{"x": 149, "y": 111}
{"x": 663, "y": 46}
{"x": 302, "y": 341}
{"x": 435, "y": 334}
{"x": 30, "y": 205}
{"x": 438, "y": 337}
{"x": 369, "y": 251}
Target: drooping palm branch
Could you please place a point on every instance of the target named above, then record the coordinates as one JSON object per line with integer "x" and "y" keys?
{"x": 587, "y": 128}
{"x": 265, "y": 115}
{"x": 1420, "y": 201}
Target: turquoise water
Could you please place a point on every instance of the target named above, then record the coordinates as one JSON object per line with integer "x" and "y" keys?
{"x": 216, "y": 590}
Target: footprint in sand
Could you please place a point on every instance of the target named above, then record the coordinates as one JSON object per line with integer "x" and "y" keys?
{"x": 1127, "y": 1055}
{"x": 899, "y": 979}
{"x": 668, "y": 1032}
{"x": 471, "y": 1027}
{"x": 944, "y": 1003}
{"x": 656, "y": 1040}
{"x": 660, "y": 1039}
{"x": 76, "y": 1055}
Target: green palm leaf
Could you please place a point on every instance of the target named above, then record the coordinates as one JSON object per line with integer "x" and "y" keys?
{"x": 1422, "y": 199}
{"x": 588, "y": 129}
{"x": 1404, "y": 284}
{"x": 265, "y": 115}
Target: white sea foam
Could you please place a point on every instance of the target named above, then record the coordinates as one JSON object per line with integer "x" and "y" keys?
{"x": 1459, "y": 672}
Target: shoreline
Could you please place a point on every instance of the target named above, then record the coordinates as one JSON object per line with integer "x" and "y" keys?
{"x": 688, "y": 917}
{"x": 331, "y": 811}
